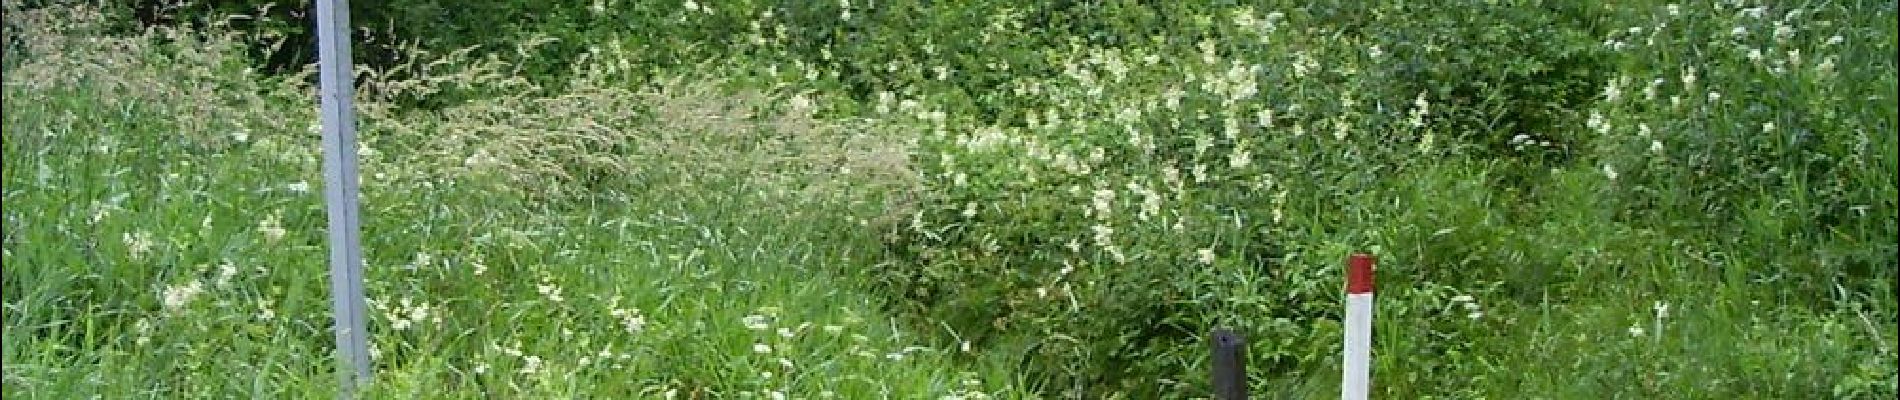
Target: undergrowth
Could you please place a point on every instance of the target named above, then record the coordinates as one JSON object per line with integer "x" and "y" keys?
{"x": 967, "y": 199}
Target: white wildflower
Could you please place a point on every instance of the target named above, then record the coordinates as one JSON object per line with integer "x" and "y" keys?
{"x": 761, "y": 348}
{"x": 226, "y": 271}
{"x": 1244, "y": 19}
{"x": 1420, "y": 109}
{"x": 144, "y": 329}
{"x": 137, "y": 244}
{"x": 178, "y": 296}
{"x": 1103, "y": 235}
{"x": 272, "y": 228}
{"x": 631, "y": 319}
{"x": 1208, "y": 53}
{"x": 530, "y": 365}
{"x": 757, "y": 322}
{"x": 1205, "y": 255}
{"x": 551, "y": 291}
{"x": 884, "y": 102}
{"x": 1102, "y": 200}
{"x": 264, "y": 310}
{"x": 801, "y": 103}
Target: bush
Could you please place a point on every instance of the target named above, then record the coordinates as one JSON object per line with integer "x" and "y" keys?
{"x": 1138, "y": 201}
{"x": 1493, "y": 70}
{"x": 1747, "y": 136}
{"x": 546, "y": 39}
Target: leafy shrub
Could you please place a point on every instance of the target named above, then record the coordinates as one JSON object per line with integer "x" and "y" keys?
{"x": 1145, "y": 192}
{"x": 1746, "y": 135}
{"x": 546, "y": 39}
{"x": 1493, "y": 70}
{"x": 1146, "y": 197}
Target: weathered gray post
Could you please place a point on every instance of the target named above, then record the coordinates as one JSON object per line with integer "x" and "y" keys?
{"x": 340, "y": 193}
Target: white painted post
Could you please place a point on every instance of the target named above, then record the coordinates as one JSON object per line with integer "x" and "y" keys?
{"x": 340, "y": 193}
{"x": 1357, "y": 380}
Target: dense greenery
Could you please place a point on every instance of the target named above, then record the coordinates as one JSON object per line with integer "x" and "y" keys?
{"x": 911, "y": 198}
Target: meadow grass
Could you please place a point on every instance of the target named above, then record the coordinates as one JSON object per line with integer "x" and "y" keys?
{"x": 146, "y": 262}
{"x": 1713, "y": 219}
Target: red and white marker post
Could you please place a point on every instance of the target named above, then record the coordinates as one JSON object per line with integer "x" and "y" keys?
{"x": 1357, "y": 381}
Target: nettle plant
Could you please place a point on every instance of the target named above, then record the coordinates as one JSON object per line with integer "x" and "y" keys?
{"x": 1145, "y": 196}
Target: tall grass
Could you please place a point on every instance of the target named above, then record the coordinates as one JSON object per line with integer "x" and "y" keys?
{"x": 979, "y": 199}
{"x": 164, "y": 240}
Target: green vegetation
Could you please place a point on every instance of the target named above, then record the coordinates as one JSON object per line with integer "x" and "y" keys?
{"x": 917, "y": 199}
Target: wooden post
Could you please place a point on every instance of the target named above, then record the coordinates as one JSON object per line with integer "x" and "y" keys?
{"x": 1230, "y": 365}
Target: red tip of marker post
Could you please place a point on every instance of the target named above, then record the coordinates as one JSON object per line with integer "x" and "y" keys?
{"x": 1359, "y": 274}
